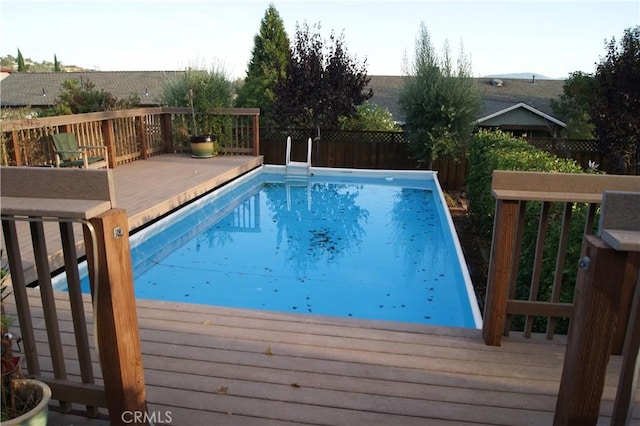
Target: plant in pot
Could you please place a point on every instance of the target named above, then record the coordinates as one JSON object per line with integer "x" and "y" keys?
{"x": 24, "y": 401}
{"x": 202, "y": 146}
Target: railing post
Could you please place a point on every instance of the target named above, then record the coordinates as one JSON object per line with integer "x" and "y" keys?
{"x": 256, "y": 134}
{"x": 590, "y": 340}
{"x": 109, "y": 141}
{"x": 607, "y": 270}
{"x": 142, "y": 136}
{"x": 117, "y": 323}
{"x": 15, "y": 144}
{"x": 495, "y": 307}
{"x": 167, "y": 132}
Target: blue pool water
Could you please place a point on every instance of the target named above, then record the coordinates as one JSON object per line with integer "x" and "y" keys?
{"x": 361, "y": 247}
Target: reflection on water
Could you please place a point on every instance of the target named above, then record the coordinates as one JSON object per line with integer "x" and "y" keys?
{"x": 416, "y": 229}
{"x": 316, "y": 222}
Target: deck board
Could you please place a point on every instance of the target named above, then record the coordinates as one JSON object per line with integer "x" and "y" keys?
{"x": 209, "y": 364}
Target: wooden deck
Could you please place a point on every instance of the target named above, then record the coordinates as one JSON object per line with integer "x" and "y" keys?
{"x": 212, "y": 365}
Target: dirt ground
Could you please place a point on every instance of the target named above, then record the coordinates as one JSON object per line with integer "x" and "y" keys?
{"x": 475, "y": 254}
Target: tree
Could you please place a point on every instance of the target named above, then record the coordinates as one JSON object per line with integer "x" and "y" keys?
{"x": 21, "y": 66}
{"x": 206, "y": 89}
{"x": 57, "y": 67}
{"x": 440, "y": 103}
{"x": 78, "y": 98}
{"x": 319, "y": 86}
{"x": 574, "y": 104}
{"x": 370, "y": 116}
{"x": 615, "y": 111}
{"x": 269, "y": 59}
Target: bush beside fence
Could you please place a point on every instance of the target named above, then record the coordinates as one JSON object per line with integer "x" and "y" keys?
{"x": 491, "y": 151}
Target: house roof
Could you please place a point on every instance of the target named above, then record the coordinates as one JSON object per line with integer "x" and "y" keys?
{"x": 524, "y": 106}
{"x": 42, "y": 89}
{"x": 538, "y": 95}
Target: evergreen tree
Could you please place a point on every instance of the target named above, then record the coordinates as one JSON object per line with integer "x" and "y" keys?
{"x": 21, "y": 66}
{"x": 440, "y": 102}
{"x": 56, "y": 65}
{"x": 320, "y": 87}
{"x": 616, "y": 109}
{"x": 269, "y": 59}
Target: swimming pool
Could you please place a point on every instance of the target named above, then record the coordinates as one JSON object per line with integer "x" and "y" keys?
{"x": 361, "y": 244}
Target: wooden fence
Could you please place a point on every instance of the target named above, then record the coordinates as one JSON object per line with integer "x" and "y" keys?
{"x": 129, "y": 135}
{"x": 390, "y": 150}
{"x": 357, "y": 149}
{"x": 581, "y": 150}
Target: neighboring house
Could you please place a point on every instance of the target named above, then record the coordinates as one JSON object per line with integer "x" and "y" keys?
{"x": 522, "y": 107}
{"x": 514, "y": 105}
{"x": 5, "y": 72}
{"x": 40, "y": 90}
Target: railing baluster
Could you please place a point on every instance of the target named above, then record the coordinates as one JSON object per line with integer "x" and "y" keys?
{"x": 562, "y": 252}
{"x": 543, "y": 225}
{"x": 77, "y": 307}
{"x": 48, "y": 303}
{"x": 19, "y": 288}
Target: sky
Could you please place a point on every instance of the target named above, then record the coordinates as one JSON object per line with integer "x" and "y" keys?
{"x": 548, "y": 38}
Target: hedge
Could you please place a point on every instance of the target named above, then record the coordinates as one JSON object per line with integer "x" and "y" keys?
{"x": 495, "y": 150}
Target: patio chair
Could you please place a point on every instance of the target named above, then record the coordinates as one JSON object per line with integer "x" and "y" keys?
{"x": 70, "y": 154}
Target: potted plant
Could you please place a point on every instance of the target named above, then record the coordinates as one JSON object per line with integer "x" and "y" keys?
{"x": 24, "y": 401}
{"x": 202, "y": 146}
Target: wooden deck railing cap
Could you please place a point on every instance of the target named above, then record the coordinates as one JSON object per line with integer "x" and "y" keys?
{"x": 619, "y": 220}
{"x": 562, "y": 187}
{"x": 53, "y": 192}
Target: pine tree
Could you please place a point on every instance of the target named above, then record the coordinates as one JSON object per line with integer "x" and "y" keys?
{"x": 440, "y": 102}
{"x": 56, "y": 65}
{"x": 269, "y": 59}
{"x": 21, "y": 66}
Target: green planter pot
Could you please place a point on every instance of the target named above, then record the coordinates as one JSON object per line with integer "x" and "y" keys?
{"x": 201, "y": 146}
{"x": 37, "y": 416}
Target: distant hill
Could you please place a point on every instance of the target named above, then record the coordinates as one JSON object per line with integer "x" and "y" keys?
{"x": 521, "y": 76}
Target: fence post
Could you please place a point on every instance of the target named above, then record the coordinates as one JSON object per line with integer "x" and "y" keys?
{"x": 117, "y": 323}
{"x": 502, "y": 246}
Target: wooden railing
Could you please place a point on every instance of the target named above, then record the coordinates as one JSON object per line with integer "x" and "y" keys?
{"x": 513, "y": 192}
{"x": 129, "y": 135}
{"x": 68, "y": 197}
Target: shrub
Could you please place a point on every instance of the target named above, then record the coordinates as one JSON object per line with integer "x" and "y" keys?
{"x": 495, "y": 150}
